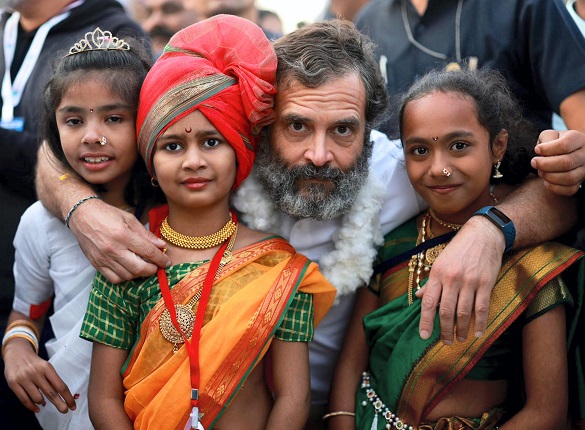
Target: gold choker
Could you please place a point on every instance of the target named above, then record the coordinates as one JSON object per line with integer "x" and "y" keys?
{"x": 197, "y": 242}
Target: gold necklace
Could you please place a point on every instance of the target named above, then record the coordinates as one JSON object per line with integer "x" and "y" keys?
{"x": 449, "y": 225}
{"x": 185, "y": 314}
{"x": 197, "y": 242}
{"x": 423, "y": 261}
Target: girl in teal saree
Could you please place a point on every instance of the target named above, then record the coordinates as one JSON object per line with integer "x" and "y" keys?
{"x": 459, "y": 130}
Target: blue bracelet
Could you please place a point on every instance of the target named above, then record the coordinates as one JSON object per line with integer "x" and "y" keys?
{"x": 501, "y": 221}
{"x": 76, "y": 205}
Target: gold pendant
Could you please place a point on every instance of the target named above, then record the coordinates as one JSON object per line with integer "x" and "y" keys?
{"x": 186, "y": 320}
{"x": 431, "y": 254}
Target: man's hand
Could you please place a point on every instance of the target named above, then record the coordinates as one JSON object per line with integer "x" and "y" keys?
{"x": 115, "y": 242}
{"x": 561, "y": 160}
{"x": 461, "y": 281}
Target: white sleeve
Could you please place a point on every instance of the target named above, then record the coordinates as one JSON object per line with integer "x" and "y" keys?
{"x": 32, "y": 281}
{"x": 402, "y": 202}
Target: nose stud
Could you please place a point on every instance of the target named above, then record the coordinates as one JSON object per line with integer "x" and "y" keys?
{"x": 103, "y": 141}
{"x": 446, "y": 172}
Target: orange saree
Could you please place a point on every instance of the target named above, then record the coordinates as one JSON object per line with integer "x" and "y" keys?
{"x": 247, "y": 304}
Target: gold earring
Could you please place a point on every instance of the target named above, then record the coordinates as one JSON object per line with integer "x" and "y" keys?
{"x": 497, "y": 174}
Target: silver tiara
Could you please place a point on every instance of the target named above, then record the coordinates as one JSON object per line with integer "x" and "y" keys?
{"x": 98, "y": 40}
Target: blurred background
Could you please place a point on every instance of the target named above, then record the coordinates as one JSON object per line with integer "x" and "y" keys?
{"x": 293, "y": 12}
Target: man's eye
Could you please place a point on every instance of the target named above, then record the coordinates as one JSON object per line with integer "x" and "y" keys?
{"x": 343, "y": 130}
{"x": 297, "y": 126}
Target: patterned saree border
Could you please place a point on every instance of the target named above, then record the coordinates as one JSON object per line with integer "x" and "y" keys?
{"x": 251, "y": 347}
{"x": 424, "y": 388}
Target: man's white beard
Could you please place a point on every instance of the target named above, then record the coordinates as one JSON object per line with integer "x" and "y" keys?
{"x": 321, "y": 201}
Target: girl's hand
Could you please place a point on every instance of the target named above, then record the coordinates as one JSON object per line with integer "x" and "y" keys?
{"x": 33, "y": 379}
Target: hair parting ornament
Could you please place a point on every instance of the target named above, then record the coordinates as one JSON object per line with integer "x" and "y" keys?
{"x": 98, "y": 40}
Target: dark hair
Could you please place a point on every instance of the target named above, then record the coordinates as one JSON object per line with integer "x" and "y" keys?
{"x": 318, "y": 53}
{"x": 497, "y": 110}
{"x": 123, "y": 71}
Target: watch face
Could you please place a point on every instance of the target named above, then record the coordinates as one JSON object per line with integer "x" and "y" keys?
{"x": 499, "y": 214}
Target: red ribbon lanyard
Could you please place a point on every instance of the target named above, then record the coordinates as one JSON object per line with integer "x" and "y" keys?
{"x": 193, "y": 346}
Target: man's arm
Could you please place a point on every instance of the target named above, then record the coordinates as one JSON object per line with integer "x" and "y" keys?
{"x": 114, "y": 241}
{"x": 462, "y": 277}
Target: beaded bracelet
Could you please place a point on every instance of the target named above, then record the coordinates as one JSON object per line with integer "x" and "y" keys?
{"x": 76, "y": 205}
{"x": 338, "y": 413}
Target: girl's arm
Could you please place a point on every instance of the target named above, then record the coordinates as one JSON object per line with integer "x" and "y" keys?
{"x": 26, "y": 373}
{"x": 292, "y": 386}
{"x": 106, "y": 392}
{"x": 352, "y": 361}
{"x": 544, "y": 352}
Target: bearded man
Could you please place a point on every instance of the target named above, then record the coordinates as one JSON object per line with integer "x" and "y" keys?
{"x": 332, "y": 186}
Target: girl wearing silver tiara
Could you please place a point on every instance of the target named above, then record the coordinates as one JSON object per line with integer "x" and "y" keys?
{"x": 89, "y": 123}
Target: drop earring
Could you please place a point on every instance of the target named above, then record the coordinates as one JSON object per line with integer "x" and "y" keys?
{"x": 497, "y": 174}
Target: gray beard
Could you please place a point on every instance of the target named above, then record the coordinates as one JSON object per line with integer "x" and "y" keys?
{"x": 317, "y": 201}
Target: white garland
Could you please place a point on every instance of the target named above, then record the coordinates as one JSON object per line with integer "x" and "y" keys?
{"x": 350, "y": 264}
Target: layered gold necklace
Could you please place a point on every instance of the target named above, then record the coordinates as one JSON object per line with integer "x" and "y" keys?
{"x": 184, "y": 313}
{"x": 423, "y": 261}
{"x": 197, "y": 242}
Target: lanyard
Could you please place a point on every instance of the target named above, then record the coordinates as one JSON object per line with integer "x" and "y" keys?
{"x": 12, "y": 91}
{"x": 193, "y": 346}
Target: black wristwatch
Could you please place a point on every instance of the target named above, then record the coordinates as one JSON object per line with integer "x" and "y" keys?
{"x": 504, "y": 223}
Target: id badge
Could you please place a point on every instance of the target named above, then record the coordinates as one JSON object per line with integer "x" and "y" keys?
{"x": 194, "y": 414}
{"x": 17, "y": 124}
{"x": 189, "y": 425}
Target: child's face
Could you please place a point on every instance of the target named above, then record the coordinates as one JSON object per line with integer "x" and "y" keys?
{"x": 195, "y": 165}
{"x": 441, "y": 131}
{"x": 88, "y": 112}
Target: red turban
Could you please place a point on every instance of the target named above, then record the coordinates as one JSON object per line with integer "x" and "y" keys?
{"x": 225, "y": 67}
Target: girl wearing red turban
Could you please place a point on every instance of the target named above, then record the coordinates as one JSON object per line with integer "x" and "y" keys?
{"x": 219, "y": 339}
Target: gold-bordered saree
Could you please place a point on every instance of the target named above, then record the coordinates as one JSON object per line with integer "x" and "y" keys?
{"x": 252, "y": 295}
{"x": 410, "y": 375}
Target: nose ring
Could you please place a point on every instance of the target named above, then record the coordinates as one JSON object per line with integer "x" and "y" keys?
{"x": 446, "y": 172}
{"x": 103, "y": 141}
